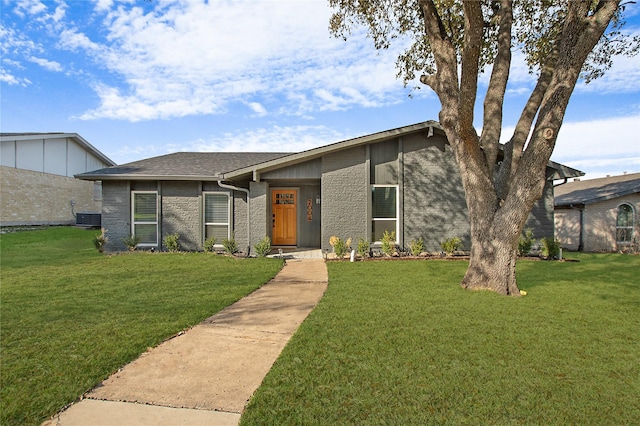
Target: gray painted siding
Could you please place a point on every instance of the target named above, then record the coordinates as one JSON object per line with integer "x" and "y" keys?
{"x": 181, "y": 213}
{"x": 434, "y": 203}
{"x": 116, "y": 213}
{"x": 309, "y": 231}
{"x": 259, "y": 211}
{"x": 345, "y": 195}
{"x": 307, "y": 170}
{"x": 240, "y": 226}
{"x": 541, "y": 217}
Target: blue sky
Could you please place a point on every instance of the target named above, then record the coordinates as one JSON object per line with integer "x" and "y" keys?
{"x": 144, "y": 78}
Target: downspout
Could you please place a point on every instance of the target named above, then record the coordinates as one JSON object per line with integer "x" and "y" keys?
{"x": 246, "y": 191}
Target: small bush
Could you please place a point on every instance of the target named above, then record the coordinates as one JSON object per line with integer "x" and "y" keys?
{"x": 131, "y": 242}
{"x": 363, "y": 248}
{"x": 209, "y": 244}
{"x": 230, "y": 245}
{"x": 416, "y": 246}
{"x": 451, "y": 245}
{"x": 100, "y": 240}
{"x": 340, "y": 247}
{"x": 526, "y": 242}
{"x": 263, "y": 248}
{"x": 550, "y": 247}
{"x": 388, "y": 242}
{"x": 171, "y": 242}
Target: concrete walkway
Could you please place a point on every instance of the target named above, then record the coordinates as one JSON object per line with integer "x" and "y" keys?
{"x": 207, "y": 374}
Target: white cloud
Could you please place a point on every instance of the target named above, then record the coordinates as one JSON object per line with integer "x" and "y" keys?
{"x": 44, "y": 63}
{"x": 210, "y": 55}
{"x": 274, "y": 139}
{"x": 257, "y": 108}
{"x": 600, "y": 147}
{"x": 29, "y": 7}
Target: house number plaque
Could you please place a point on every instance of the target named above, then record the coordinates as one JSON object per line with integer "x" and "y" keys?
{"x": 309, "y": 210}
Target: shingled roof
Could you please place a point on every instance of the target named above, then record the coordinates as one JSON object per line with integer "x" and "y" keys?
{"x": 182, "y": 166}
{"x": 591, "y": 191}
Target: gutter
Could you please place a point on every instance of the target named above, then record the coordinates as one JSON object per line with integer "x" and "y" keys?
{"x": 246, "y": 191}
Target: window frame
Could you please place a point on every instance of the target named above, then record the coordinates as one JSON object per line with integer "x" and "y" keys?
{"x": 134, "y": 222}
{"x": 229, "y": 222}
{"x": 630, "y": 227}
{"x": 397, "y": 208}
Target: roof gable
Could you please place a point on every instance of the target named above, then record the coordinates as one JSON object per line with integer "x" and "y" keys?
{"x": 17, "y": 137}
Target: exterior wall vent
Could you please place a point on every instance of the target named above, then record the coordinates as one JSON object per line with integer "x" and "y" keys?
{"x": 89, "y": 219}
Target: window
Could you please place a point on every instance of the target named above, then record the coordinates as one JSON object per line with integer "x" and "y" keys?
{"x": 384, "y": 213}
{"x": 144, "y": 221}
{"x": 624, "y": 224}
{"x": 216, "y": 216}
{"x": 97, "y": 190}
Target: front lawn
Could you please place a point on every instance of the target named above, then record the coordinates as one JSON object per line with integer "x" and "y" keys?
{"x": 401, "y": 343}
{"x": 71, "y": 316}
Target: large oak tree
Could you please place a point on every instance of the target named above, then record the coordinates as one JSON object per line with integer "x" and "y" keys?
{"x": 451, "y": 43}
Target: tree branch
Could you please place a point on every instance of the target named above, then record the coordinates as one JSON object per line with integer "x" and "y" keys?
{"x": 473, "y": 32}
{"x": 514, "y": 148}
{"x": 494, "y": 99}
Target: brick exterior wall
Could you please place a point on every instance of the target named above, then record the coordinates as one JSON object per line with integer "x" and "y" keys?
{"x": 36, "y": 198}
{"x": 181, "y": 213}
{"x": 344, "y": 195}
{"x": 259, "y": 197}
{"x": 599, "y": 232}
{"x": 434, "y": 203}
{"x": 567, "y": 223}
{"x": 116, "y": 213}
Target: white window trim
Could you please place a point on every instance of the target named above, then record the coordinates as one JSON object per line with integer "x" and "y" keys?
{"x": 397, "y": 219}
{"x": 204, "y": 218}
{"x": 633, "y": 223}
{"x": 134, "y": 223}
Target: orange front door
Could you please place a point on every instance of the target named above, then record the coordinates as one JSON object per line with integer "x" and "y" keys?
{"x": 283, "y": 211}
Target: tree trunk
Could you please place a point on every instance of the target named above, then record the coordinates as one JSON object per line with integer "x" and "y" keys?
{"x": 492, "y": 265}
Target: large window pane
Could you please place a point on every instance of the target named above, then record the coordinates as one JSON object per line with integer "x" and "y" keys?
{"x": 220, "y": 232}
{"x": 624, "y": 224}
{"x": 216, "y": 216}
{"x": 379, "y": 226}
{"x": 383, "y": 202}
{"x": 625, "y": 215}
{"x": 145, "y": 217}
{"x": 384, "y": 210}
{"x": 216, "y": 208}
{"x": 146, "y": 233}
{"x": 145, "y": 207}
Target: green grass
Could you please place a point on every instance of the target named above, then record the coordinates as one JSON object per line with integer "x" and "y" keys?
{"x": 401, "y": 343}
{"x": 71, "y": 316}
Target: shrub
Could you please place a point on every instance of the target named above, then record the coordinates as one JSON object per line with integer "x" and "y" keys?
{"x": 363, "y": 248}
{"x": 526, "y": 242}
{"x": 340, "y": 247}
{"x": 131, "y": 242}
{"x": 550, "y": 247}
{"x": 388, "y": 242}
{"x": 209, "y": 244}
{"x": 451, "y": 245}
{"x": 230, "y": 245}
{"x": 171, "y": 242}
{"x": 416, "y": 246}
{"x": 100, "y": 240}
{"x": 263, "y": 248}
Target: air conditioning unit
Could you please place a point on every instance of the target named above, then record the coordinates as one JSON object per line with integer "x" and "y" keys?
{"x": 89, "y": 219}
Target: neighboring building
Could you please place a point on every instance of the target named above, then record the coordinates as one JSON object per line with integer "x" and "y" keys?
{"x": 37, "y": 178}
{"x": 598, "y": 214}
{"x": 403, "y": 180}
